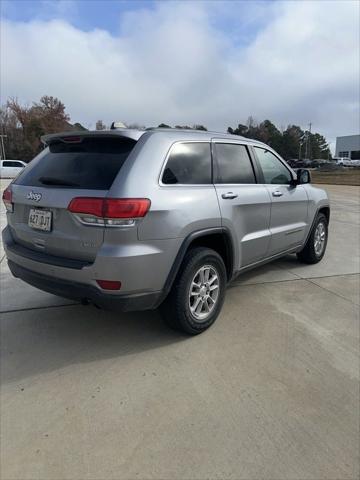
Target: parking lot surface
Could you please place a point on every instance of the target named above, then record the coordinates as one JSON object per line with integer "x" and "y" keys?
{"x": 271, "y": 391}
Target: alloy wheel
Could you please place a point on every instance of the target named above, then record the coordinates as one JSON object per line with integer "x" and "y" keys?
{"x": 204, "y": 292}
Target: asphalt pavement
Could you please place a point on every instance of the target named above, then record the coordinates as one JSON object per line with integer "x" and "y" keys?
{"x": 271, "y": 391}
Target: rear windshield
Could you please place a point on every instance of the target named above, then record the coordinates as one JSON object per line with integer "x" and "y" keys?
{"x": 92, "y": 164}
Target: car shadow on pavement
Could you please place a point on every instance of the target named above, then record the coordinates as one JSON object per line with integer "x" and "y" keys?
{"x": 43, "y": 340}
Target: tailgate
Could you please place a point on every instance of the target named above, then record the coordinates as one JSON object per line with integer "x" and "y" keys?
{"x": 66, "y": 237}
{"x": 71, "y": 166}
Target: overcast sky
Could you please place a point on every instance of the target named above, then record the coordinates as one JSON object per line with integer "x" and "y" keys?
{"x": 213, "y": 63}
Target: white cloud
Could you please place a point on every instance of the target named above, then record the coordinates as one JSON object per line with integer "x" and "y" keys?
{"x": 174, "y": 64}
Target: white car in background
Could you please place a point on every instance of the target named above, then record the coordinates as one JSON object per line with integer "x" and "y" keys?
{"x": 11, "y": 168}
{"x": 347, "y": 162}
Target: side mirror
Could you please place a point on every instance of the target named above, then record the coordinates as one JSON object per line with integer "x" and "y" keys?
{"x": 302, "y": 176}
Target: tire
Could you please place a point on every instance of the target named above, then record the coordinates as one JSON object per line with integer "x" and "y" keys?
{"x": 311, "y": 253}
{"x": 178, "y": 310}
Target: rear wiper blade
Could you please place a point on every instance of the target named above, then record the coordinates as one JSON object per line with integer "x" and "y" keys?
{"x": 57, "y": 181}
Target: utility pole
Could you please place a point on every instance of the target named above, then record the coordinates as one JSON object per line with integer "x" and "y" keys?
{"x": 307, "y": 142}
{"x": 2, "y": 149}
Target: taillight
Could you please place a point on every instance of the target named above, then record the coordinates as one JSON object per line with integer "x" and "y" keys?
{"x": 112, "y": 212}
{"x": 109, "y": 284}
{"x": 91, "y": 206}
{"x": 126, "y": 207}
{"x": 7, "y": 199}
{"x": 71, "y": 139}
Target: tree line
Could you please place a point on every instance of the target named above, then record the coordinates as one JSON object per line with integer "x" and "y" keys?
{"x": 291, "y": 143}
{"x": 23, "y": 125}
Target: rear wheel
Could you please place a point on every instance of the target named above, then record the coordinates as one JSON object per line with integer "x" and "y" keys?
{"x": 198, "y": 292}
{"x": 315, "y": 247}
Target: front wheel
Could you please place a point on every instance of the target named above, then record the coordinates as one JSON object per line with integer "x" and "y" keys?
{"x": 315, "y": 247}
{"x": 198, "y": 292}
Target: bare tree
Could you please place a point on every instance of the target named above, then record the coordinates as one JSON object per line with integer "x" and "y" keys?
{"x": 24, "y": 124}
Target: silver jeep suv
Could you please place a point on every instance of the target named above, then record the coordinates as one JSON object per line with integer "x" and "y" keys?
{"x": 135, "y": 220}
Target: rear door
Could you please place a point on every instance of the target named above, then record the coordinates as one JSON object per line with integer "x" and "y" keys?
{"x": 70, "y": 167}
{"x": 15, "y": 167}
{"x": 2, "y": 169}
{"x": 289, "y": 203}
{"x": 244, "y": 204}
{"x": 9, "y": 169}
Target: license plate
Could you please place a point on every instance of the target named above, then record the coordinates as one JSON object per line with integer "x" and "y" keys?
{"x": 40, "y": 219}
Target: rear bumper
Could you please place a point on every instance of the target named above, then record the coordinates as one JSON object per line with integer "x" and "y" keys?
{"x": 77, "y": 280}
{"x": 83, "y": 292}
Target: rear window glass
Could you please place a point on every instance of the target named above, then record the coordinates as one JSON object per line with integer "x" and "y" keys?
{"x": 91, "y": 164}
{"x": 189, "y": 164}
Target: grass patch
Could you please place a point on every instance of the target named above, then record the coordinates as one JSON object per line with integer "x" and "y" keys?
{"x": 337, "y": 177}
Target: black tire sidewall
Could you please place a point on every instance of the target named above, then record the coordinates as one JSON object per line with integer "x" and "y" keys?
{"x": 320, "y": 219}
{"x": 308, "y": 254}
{"x": 193, "y": 262}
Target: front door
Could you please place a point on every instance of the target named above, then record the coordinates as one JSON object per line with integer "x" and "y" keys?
{"x": 289, "y": 203}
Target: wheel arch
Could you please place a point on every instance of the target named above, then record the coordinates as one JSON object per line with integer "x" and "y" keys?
{"x": 326, "y": 211}
{"x": 217, "y": 238}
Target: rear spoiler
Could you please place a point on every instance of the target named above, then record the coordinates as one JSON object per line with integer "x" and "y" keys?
{"x": 69, "y": 137}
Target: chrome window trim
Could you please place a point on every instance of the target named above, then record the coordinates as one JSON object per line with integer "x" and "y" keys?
{"x": 237, "y": 184}
{"x": 183, "y": 184}
{"x": 212, "y": 141}
{"x": 236, "y": 142}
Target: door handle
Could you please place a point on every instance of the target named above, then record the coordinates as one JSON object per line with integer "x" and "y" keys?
{"x": 229, "y": 195}
{"x": 277, "y": 193}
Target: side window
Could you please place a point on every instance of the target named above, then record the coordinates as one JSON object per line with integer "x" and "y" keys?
{"x": 188, "y": 163}
{"x": 274, "y": 171}
{"x": 234, "y": 165}
{"x": 9, "y": 163}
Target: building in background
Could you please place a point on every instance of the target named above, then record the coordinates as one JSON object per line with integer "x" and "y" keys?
{"x": 348, "y": 147}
